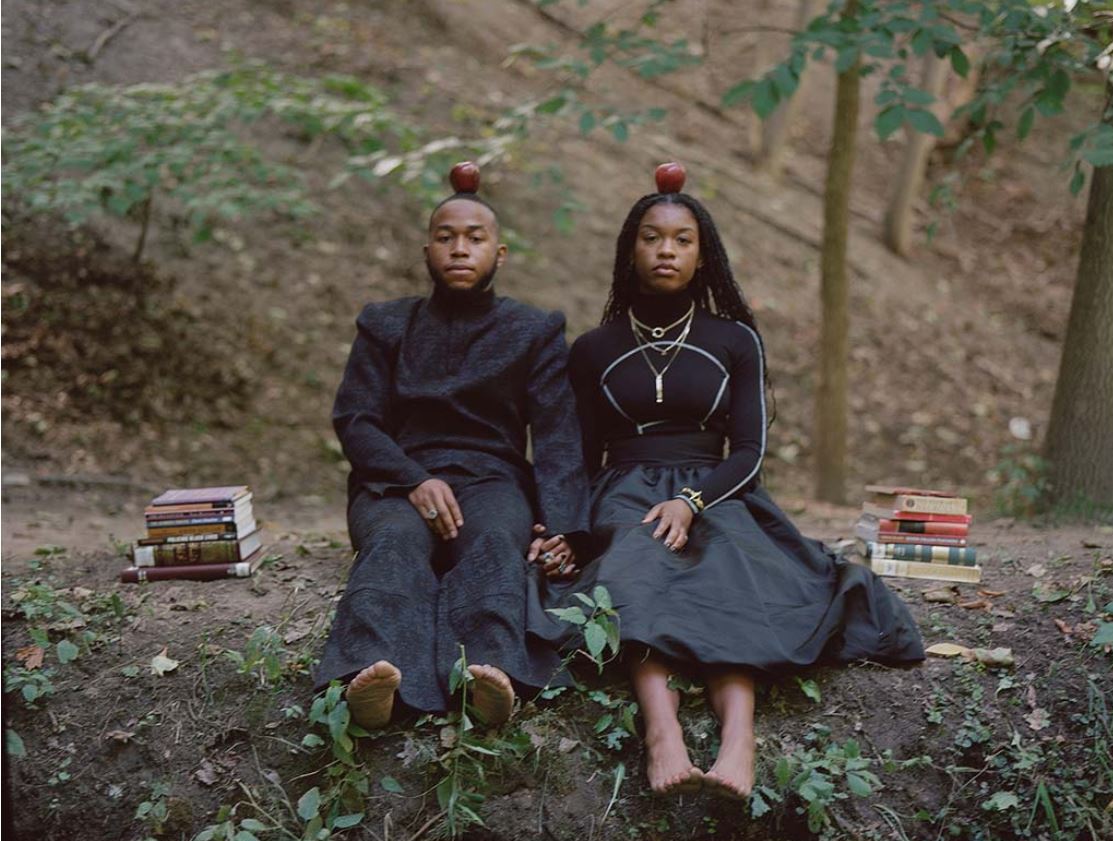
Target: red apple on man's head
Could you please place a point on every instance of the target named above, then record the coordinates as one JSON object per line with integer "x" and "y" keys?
{"x": 670, "y": 177}
{"x": 464, "y": 177}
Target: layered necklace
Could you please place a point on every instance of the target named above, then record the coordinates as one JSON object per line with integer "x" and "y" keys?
{"x": 648, "y": 338}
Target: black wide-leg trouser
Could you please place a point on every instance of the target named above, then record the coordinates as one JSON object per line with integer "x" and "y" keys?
{"x": 414, "y": 600}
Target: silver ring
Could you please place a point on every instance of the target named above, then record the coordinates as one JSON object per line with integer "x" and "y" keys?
{"x": 546, "y": 556}
{"x": 432, "y": 514}
{"x": 563, "y": 566}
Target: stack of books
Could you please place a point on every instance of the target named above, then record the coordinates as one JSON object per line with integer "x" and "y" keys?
{"x": 916, "y": 533}
{"x": 200, "y": 534}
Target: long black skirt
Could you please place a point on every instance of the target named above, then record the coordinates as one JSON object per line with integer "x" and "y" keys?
{"x": 748, "y": 590}
{"x": 418, "y": 602}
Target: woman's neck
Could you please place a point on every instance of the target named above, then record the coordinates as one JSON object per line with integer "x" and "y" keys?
{"x": 659, "y": 310}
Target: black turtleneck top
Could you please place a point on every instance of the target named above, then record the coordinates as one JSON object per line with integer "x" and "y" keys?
{"x": 715, "y": 384}
{"x": 457, "y": 384}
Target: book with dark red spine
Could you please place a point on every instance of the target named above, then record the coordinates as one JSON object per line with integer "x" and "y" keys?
{"x": 922, "y": 527}
{"x": 193, "y": 572}
{"x": 871, "y": 534}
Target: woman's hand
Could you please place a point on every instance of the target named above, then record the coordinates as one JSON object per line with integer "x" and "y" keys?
{"x": 676, "y": 520}
{"x": 556, "y": 557}
{"x": 436, "y": 504}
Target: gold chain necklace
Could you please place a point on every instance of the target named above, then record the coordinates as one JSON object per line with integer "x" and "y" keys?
{"x": 674, "y": 346}
{"x": 659, "y": 332}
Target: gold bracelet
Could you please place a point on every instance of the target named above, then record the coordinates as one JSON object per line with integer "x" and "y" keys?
{"x": 695, "y": 497}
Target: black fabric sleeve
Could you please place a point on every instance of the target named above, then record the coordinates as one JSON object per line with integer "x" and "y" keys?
{"x": 558, "y": 464}
{"x": 746, "y": 426}
{"x": 360, "y": 417}
{"x": 581, "y": 373}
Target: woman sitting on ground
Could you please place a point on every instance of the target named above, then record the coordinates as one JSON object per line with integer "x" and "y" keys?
{"x": 708, "y": 575}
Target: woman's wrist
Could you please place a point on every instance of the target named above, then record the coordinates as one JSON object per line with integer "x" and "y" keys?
{"x": 693, "y": 499}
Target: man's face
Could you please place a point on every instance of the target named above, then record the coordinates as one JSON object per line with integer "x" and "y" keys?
{"x": 463, "y": 249}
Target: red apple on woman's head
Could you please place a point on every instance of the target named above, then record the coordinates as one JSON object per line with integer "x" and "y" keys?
{"x": 670, "y": 177}
{"x": 465, "y": 177}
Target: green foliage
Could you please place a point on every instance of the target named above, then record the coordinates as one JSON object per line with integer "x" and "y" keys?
{"x": 62, "y": 624}
{"x": 1021, "y": 482}
{"x": 1033, "y": 54}
{"x": 154, "y": 812}
{"x": 265, "y": 656}
{"x": 599, "y": 627}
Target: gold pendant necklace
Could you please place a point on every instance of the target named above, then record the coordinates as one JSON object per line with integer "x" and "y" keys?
{"x": 674, "y": 346}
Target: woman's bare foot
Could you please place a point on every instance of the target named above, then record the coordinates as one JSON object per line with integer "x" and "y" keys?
{"x": 732, "y": 775}
{"x": 492, "y": 694}
{"x": 370, "y": 695}
{"x": 669, "y": 768}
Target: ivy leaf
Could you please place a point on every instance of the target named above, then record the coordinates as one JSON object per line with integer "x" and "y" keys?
{"x": 810, "y": 688}
{"x": 858, "y": 785}
{"x": 587, "y": 122}
{"x": 568, "y": 614}
{"x": 602, "y": 597}
{"x": 596, "y": 640}
{"x": 959, "y": 62}
{"x": 1002, "y": 800}
{"x": 1076, "y": 181}
{"x": 346, "y": 821}
{"x": 13, "y": 744}
{"x": 309, "y": 804}
{"x": 889, "y": 120}
{"x": 1104, "y": 635}
{"x": 66, "y": 651}
{"x": 390, "y": 784}
{"x": 765, "y": 98}
{"x": 924, "y": 122}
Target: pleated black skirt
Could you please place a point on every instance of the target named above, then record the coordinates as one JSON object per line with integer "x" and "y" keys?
{"x": 748, "y": 590}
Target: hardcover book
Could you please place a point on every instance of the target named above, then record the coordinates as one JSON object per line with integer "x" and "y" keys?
{"x": 870, "y": 533}
{"x": 886, "y": 512}
{"x": 219, "y": 497}
{"x": 197, "y": 551}
{"x": 915, "y": 569}
{"x": 193, "y": 572}
{"x": 922, "y": 552}
{"x": 916, "y": 500}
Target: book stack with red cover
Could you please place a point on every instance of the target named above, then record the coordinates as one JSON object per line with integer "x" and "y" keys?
{"x": 917, "y": 533}
{"x": 200, "y": 534}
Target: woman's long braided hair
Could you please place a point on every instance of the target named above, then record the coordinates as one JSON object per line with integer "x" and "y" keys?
{"x": 713, "y": 286}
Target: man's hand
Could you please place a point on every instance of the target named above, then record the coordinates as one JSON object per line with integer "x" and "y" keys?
{"x": 436, "y": 504}
{"x": 556, "y": 557}
{"x": 676, "y": 520}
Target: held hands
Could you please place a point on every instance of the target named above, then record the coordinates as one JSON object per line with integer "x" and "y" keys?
{"x": 553, "y": 553}
{"x": 676, "y": 520}
{"x": 436, "y": 504}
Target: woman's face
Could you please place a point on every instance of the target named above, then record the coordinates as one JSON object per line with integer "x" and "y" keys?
{"x": 666, "y": 251}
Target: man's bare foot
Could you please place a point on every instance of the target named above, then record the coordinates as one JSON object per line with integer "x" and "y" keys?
{"x": 669, "y": 768}
{"x": 732, "y": 775}
{"x": 492, "y": 694}
{"x": 370, "y": 695}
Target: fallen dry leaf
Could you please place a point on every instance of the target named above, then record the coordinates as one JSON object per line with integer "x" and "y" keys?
{"x": 946, "y": 649}
{"x": 1093, "y": 544}
{"x": 992, "y": 593}
{"x": 31, "y": 656}
{"x": 1031, "y": 696}
{"x": 567, "y": 745}
{"x": 448, "y": 736}
{"x": 1038, "y": 719}
{"x": 977, "y": 604}
{"x": 942, "y": 595}
{"x": 206, "y": 773}
{"x": 1002, "y": 612}
{"x": 123, "y": 736}
{"x": 1063, "y": 626}
{"x": 992, "y": 657}
{"x": 161, "y": 664}
{"x": 1085, "y": 631}
{"x": 1037, "y": 570}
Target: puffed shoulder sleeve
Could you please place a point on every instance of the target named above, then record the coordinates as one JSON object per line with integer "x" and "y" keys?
{"x": 747, "y": 424}
{"x": 558, "y": 463}
{"x": 362, "y": 410}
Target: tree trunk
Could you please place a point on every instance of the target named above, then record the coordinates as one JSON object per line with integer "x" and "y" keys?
{"x": 831, "y": 401}
{"x": 898, "y": 216}
{"x": 1080, "y": 432}
{"x": 775, "y": 129}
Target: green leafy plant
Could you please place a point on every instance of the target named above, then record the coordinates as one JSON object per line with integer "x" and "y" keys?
{"x": 1021, "y": 482}
{"x": 599, "y": 626}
